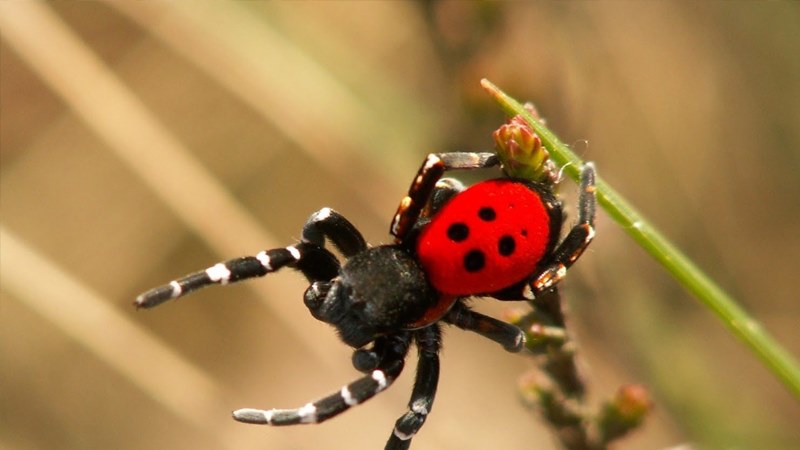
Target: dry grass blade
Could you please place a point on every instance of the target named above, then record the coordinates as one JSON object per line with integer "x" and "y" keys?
{"x": 164, "y": 375}
{"x": 240, "y": 53}
{"x": 137, "y": 137}
{"x": 112, "y": 112}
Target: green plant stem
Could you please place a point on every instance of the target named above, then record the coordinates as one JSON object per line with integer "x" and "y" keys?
{"x": 774, "y": 356}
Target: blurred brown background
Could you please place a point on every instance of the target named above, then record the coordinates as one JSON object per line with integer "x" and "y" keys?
{"x": 144, "y": 140}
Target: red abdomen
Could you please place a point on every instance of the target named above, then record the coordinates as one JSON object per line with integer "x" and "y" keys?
{"x": 485, "y": 239}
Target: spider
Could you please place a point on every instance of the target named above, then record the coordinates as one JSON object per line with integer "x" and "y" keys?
{"x": 499, "y": 238}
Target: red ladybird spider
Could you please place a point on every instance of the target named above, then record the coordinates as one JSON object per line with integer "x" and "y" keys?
{"x": 499, "y": 238}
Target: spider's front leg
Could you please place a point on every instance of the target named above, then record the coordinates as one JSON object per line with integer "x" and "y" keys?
{"x": 425, "y": 182}
{"x": 313, "y": 260}
{"x": 368, "y": 358}
{"x": 352, "y": 394}
{"x": 309, "y": 257}
{"x": 428, "y": 342}
{"x": 327, "y": 223}
{"x": 576, "y": 241}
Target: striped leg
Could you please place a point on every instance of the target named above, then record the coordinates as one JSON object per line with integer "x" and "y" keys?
{"x": 315, "y": 262}
{"x": 327, "y": 223}
{"x": 509, "y": 336}
{"x": 352, "y": 394}
{"x": 444, "y": 190}
{"x": 428, "y": 343}
{"x": 574, "y": 244}
{"x": 425, "y": 182}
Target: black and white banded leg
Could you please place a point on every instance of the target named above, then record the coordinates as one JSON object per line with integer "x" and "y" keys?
{"x": 428, "y": 342}
{"x": 576, "y": 241}
{"x": 352, "y": 394}
{"x": 327, "y": 223}
{"x": 314, "y": 261}
{"x": 511, "y": 337}
{"x": 424, "y": 184}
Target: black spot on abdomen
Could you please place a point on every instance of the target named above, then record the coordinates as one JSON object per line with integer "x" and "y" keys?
{"x": 487, "y": 213}
{"x": 506, "y": 245}
{"x": 458, "y": 232}
{"x": 474, "y": 261}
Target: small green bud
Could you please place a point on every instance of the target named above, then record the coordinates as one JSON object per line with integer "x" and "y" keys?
{"x": 624, "y": 412}
{"x": 633, "y": 402}
{"x": 520, "y": 150}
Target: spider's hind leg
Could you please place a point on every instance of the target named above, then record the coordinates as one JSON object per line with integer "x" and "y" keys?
{"x": 574, "y": 244}
{"x": 445, "y": 189}
{"x": 425, "y": 183}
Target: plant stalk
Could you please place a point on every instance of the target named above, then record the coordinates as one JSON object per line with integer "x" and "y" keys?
{"x": 735, "y": 318}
